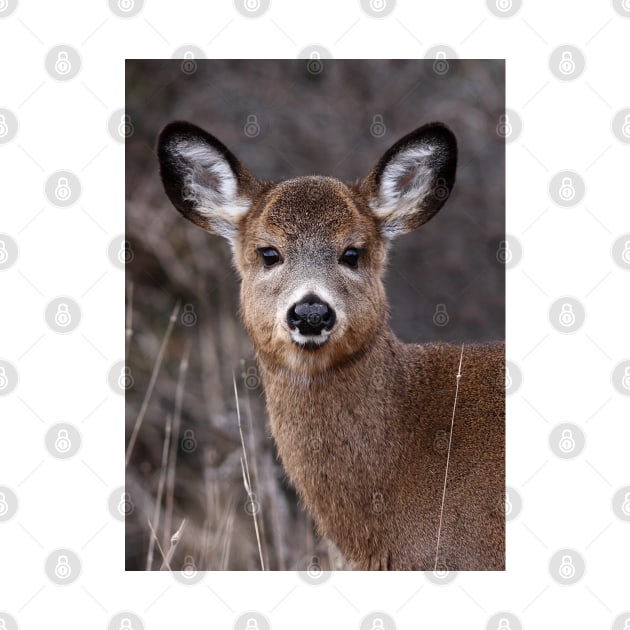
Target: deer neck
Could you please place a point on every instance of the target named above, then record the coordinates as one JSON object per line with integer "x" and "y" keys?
{"x": 338, "y": 433}
{"x": 350, "y": 386}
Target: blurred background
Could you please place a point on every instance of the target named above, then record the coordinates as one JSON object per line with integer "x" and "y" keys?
{"x": 186, "y": 349}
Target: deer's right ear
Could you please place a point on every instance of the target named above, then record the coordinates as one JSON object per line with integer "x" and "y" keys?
{"x": 203, "y": 179}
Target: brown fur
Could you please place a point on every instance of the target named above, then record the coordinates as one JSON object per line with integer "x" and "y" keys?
{"x": 362, "y": 422}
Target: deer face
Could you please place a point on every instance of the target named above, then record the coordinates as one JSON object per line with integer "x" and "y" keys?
{"x": 311, "y": 258}
{"x": 310, "y": 251}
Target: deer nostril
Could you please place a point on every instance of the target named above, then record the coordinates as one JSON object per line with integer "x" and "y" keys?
{"x": 311, "y": 316}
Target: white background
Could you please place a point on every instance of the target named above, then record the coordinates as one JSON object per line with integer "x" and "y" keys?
{"x": 63, "y": 251}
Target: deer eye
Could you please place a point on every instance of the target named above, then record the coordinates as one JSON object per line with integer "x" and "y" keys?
{"x": 350, "y": 257}
{"x": 270, "y": 256}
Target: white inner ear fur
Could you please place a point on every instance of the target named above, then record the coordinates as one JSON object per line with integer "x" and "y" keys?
{"x": 404, "y": 182}
{"x": 212, "y": 186}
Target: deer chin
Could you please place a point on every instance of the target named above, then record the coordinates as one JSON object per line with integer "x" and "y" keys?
{"x": 311, "y": 343}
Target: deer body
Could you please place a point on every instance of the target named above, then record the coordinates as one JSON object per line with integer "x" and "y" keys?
{"x": 361, "y": 420}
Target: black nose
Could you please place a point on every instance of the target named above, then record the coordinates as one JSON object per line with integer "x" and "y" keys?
{"x": 310, "y": 315}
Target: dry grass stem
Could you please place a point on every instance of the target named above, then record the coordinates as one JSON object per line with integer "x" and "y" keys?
{"x": 254, "y": 457}
{"x": 158, "y": 498}
{"x": 175, "y": 538}
{"x": 129, "y": 318}
{"x": 246, "y": 476}
{"x": 154, "y": 375}
{"x": 172, "y": 460}
{"x": 155, "y": 538}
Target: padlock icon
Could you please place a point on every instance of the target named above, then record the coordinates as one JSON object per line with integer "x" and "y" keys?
{"x": 251, "y": 128}
{"x": 378, "y": 5}
{"x": 377, "y": 624}
{"x": 625, "y": 506}
{"x": 251, "y": 505}
{"x": 625, "y": 128}
{"x": 125, "y": 624}
{"x": 504, "y": 126}
{"x": 189, "y": 317}
{"x": 4, "y": 506}
{"x": 189, "y": 570}
{"x": 377, "y": 502}
{"x": 625, "y": 380}
{"x": 4, "y": 254}
{"x": 508, "y": 504}
{"x": 252, "y": 380}
{"x": 567, "y": 189}
{"x": 567, "y": 441}
{"x": 252, "y": 624}
{"x": 504, "y": 624}
{"x": 508, "y": 378}
{"x": 125, "y": 505}
{"x": 189, "y": 443}
{"x": 4, "y": 128}
{"x": 504, "y": 5}
{"x": 440, "y": 65}
{"x": 567, "y": 63}
{"x": 62, "y": 64}
{"x": 252, "y": 5}
{"x": 125, "y": 126}
{"x": 62, "y": 189}
{"x": 62, "y": 442}
{"x": 567, "y": 316}
{"x": 125, "y": 253}
{"x": 62, "y": 317}
{"x": 126, "y": 5}
{"x": 625, "y": 254}
{"x": 504, "y": 253}
{"x": 440, "y": 189}
{"x": 125, "y": 380}
{"x": 189, "y": 65}
{"x": 440, "y": 317}
{"x": 315, "y": 64}
{"x": 4, "y": 379}
{"x": 63, "y": 570}
{"x": 377, "y": 128}
{"x": 314, "y": 569}
{"x": 567, "y": 568}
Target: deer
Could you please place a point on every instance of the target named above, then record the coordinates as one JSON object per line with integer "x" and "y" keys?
{"x": 396, "y": 450}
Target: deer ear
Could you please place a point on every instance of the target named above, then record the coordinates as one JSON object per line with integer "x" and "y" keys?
{"x": 413, "y": 179}
{"x": 203, "y": 179}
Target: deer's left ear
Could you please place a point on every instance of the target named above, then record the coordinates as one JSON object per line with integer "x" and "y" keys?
{"x": 413, "y": 179}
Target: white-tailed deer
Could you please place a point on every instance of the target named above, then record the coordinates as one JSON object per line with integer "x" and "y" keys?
{"x": 399, "y": 459}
